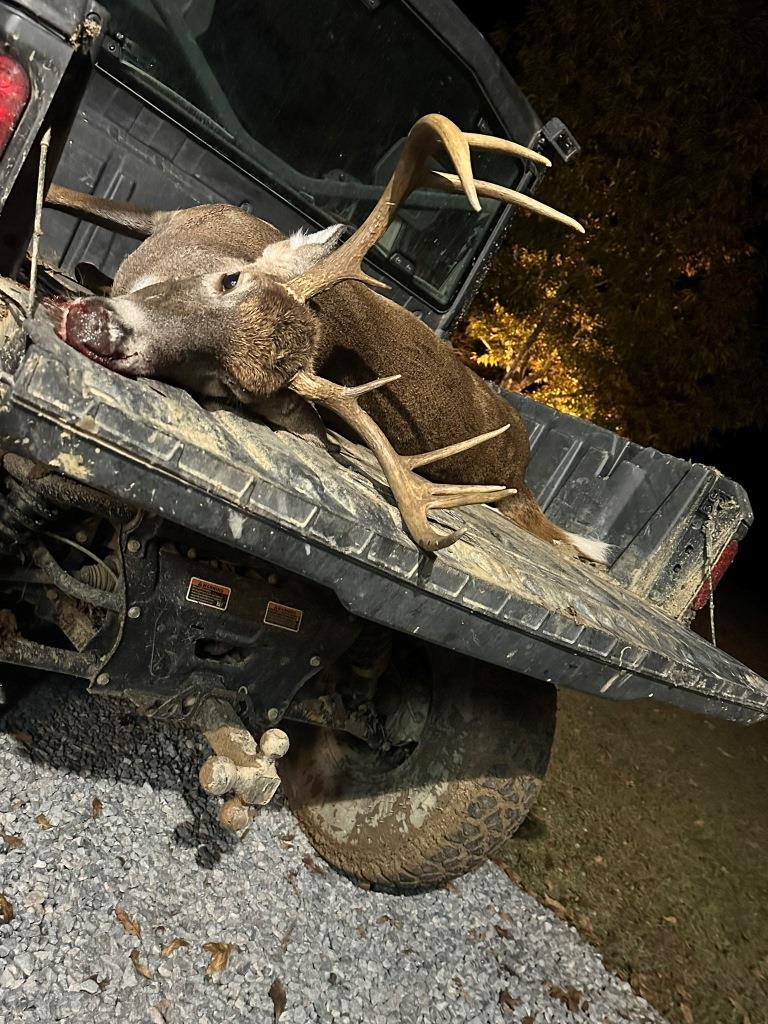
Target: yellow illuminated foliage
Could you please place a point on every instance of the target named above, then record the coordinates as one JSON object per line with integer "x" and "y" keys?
{"x": 649, "y": 324}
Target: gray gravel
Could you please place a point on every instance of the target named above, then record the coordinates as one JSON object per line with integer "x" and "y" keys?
{"x": 342, "y": 954}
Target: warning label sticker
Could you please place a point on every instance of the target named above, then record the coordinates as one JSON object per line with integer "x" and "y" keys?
{"x": 283, "y": 616}
{"x": 213, "y": 595}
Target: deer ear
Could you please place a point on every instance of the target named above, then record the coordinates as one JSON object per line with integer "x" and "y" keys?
{"x": 298, "y": 253}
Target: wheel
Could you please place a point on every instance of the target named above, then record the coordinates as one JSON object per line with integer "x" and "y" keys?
{"x": 470, "y": 748}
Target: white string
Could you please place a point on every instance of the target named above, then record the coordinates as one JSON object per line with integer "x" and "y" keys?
{"x": 38, "y": 230}
{"x": 711, "y": 602}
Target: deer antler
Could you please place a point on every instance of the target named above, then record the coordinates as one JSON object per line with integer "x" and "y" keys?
{"x": 411, "y": 173}
{"x": 414, "y": 495}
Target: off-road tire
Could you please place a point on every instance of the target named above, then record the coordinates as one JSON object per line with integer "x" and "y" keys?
{"x": 464, "y": 788}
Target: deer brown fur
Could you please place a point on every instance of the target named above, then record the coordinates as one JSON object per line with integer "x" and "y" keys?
{"x": 172, "y": 315}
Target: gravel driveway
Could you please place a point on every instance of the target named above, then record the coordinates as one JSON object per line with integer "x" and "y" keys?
{"x": 120, "y": 854}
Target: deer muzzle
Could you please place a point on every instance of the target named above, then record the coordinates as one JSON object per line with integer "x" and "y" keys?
{"x": 91, "y": 327}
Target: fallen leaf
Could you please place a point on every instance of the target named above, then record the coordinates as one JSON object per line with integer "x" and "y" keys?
{"x": 170, "y": 948}
{"x": 312, "y": 865}
{"x": 384, "y": 919}
{"x": 279, "y": 998}
{"x": 599, "y": 859}
{"x": 12, "y": 842}
{"x": 503, "y": 933}
{"x": 131, "y": 926}
{"x": 22, "y": 737}
{"x": 555, "y": 905}
{"x": 699, "y": 823}
{"x": 219, "y": 954}
{"x": 507, "y": 1002}
{"x": 96, "y": 807}
{"x": 286, "y": 939}
{"x": 570, "y": 996}
{"x": 740, "y": 1008}
{"x": 140, "y": 968}
{"x": 6, "y": 909}
{"x": 671, "y": 919}
{"x": 450, "y": 887}
{"x": 528, "y": 1018}
{"x": 686, "y": 1013}
{"x": 43, "y": 822}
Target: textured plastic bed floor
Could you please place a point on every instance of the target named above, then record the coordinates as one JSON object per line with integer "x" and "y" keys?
{"x": 498, "y": 594}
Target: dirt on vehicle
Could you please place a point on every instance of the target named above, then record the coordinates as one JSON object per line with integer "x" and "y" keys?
{"x": 651, "y": 837}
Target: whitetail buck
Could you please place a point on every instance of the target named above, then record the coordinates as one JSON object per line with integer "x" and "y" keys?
{"x": 223, "y": 304}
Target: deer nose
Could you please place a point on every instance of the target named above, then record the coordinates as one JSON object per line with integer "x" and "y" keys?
{"x": 90, "y": 325}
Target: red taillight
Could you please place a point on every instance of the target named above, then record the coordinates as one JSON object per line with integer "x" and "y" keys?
{"x": 14, "y": 93}
{"x": 718, "y": 571}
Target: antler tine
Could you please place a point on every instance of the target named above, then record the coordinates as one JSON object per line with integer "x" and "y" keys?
{"x": 414, "y": 495}
{"x": 487, "y": 189}
{"x": 410, "y": 173}
{"x": 477, "y": 141}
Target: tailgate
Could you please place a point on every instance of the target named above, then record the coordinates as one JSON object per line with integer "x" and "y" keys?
{"x": 498, "y": 595}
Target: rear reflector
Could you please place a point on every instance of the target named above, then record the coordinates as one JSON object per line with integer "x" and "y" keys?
{"x": 14, "y": 93}
{"x": 718, "y": 571}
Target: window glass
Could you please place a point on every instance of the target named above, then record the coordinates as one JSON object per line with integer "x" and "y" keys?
{"x": 316, "y": 96}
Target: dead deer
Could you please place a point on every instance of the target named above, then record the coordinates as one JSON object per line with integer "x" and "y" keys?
{"x": 223, "y": 304}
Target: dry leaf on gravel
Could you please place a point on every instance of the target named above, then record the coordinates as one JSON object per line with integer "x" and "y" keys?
{"x": 170, "y": 948}
{"x": 503, "y": 933}
{"x": 140, "y": 968}
{"x": 131, "y": 926}
{"x": 507, "y": 1002}
{"x": 96, "y": 807}
{"x": 43, "y": 822}
{"x": 311, "y": 865}
{"x": 570, "y": 996}
{"x": 219, "y": 954}
{"x": 279, "y": 998}
{"x": 6, "y": 909}
{"x": 12, "y": 842}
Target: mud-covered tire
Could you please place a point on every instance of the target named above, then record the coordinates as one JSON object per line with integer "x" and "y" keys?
{"x": 464, "y": 787}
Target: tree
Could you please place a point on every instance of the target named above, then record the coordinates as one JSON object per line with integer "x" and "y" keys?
{"x": 649, "y": 323}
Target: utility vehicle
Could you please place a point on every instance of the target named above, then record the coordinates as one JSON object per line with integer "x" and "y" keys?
{"x": 218, "y": 573}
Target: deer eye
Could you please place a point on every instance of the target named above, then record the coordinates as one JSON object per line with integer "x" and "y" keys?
{"x": 229, "y": 281}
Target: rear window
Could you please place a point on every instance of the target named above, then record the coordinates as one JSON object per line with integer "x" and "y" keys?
{"x": 315, "y": 97}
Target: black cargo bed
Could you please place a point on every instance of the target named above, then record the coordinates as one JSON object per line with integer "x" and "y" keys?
{"x": 498, "y": 595}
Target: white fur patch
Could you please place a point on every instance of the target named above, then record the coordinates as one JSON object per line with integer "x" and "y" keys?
{"x": 301, "y": 237}
{"x": 594, "y": 550}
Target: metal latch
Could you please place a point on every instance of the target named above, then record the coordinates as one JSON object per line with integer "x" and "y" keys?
{"x": 561, "y": 139}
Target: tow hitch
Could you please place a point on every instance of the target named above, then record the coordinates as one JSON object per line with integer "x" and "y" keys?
{"x": 239, "y": 764}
